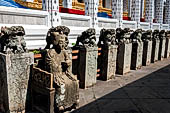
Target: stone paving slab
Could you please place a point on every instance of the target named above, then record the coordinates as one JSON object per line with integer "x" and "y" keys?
{"x": 143, "y": 91}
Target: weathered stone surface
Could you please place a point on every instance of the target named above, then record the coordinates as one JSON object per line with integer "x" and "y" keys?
{"x": 137, "y": 51}
{"x": 155, "y": 50}
{"x": 147, "y": 50}
{"x": 161, "y": 53}
{"x": 123, "y": 58}
{"x": 14, "y": 78}
{"x": 107, "y": 62}
{"x": 167, "y": 48}
{"x": 57, "y": 61}
{"x": 87, "y": 69}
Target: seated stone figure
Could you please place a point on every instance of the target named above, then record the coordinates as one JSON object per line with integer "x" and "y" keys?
{"x": 147, "y": 35}
{"x": 12, "y": 40}
{"x": 107, "y": 37}
{"x": 58, "y": 62}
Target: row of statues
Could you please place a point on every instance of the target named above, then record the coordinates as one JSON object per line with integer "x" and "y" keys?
{"x": 56, "y": 58}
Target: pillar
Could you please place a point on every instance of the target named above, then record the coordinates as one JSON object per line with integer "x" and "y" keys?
{"x": 142, "y": 6}
{"x": 52, "y": 6}
{"x": 167, "y": 12}
{"x": 91, "y": 9}
{"x": 117, "y": 10}
{"x": 159, "y": 11}
{"x": 67, "y": 4}
{"x": 135, "y": 11}
{"x": 149, "y": 12}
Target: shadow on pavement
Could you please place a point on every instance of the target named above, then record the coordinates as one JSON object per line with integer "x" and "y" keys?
{"x": 150, "y": 94}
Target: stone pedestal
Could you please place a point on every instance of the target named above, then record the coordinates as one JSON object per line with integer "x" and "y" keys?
{"x": 87, "y": 69}
{"x": 167, "y": 48}
{"x": 14, "y": 78}
{"x": 155, "y": 51}
{"x": 123, "y": 58}
{"x": 107, "y": 62}
{"x": 136, "y": 58}
{"x": 161, "y": 53}
{"x": 147, "y": 50}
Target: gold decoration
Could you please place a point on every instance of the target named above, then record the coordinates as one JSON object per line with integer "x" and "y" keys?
{"x": 37, "y": 4}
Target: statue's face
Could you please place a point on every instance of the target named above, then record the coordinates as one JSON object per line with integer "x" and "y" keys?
{"x": 61, "y": 44}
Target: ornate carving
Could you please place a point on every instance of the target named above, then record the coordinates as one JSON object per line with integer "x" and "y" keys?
{"x": 12, "y": 40}
{"x": 155, "y": 35}
{"x": 137, "y": 36}
{"x": 87, "y": 38}
{"x": 59, "y": 31}
{"x": 107, "y": 37}
{"x": 147, "y": 35}
{"x": 123, "y": 36}
{"x": 57, "y": 61}
{"x": 162, "y": 34}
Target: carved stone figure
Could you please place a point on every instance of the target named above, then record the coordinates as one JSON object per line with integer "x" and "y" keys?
{"x": 15, "y": 63}
{"x": 123, "y": 36}
{"x": 53, "y": 32}
{"x": 12, "y": 39}
{"x": 147, "y": 35}
{"x": 162, "y": 38}
{"x": 137, "y": 49}
{"x": 124, "y": 50}
{"x": 87, "y": 38}
{"x": 167, "y": 50}
{"x": 107, "y": 60}
{"x": 155, "y": 46}
{"x": 57, "y": 61}
{"x": 147, "y": 47}
{"x": 107, "y": 37}
{"x": 87, "y": 58}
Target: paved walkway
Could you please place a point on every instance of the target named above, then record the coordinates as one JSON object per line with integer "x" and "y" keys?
{"x": 143, "y": 91}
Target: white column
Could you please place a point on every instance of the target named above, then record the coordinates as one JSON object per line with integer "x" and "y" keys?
{"x": 149, "y": 12}
{"x": 117, "y": 10}
{"x": 52, "y": 6}
{"x": 167, "y": 12}
{"x": 91, "y": 9}
{"x": 159, "y": 11}
{"x": 142, "y": 8}
{"x": 67, "y": 4}
{"x": 135, "y": 11}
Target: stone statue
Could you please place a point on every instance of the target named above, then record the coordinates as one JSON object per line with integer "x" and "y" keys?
{"x": 58, "y": 62}
{"x": 123, "y": 36}
{"x": 137, "y": 36}
{"x": 107, "y": 37}
{"x": 162, "y": 34}
{"x": 12, "y": 40}
{"x": 147, "y": 35}
{"x": 155, "y": 35}
{"x": 87, "y": 38}
{"x": 52, "y": 33}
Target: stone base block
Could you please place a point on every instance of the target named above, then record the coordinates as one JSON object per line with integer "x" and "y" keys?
{"x": 167, "y": 48}
{"x": 136, "y": 58}
{"x": 161, "y": 49}
{"x": 107, "y": 62}
{"x": 123, "y": 58}
{"x": 87, "y": 69}
{"x": 147, "y": 50}
{"x": 14, "y": 79}
{"x": 155, "y": 51}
